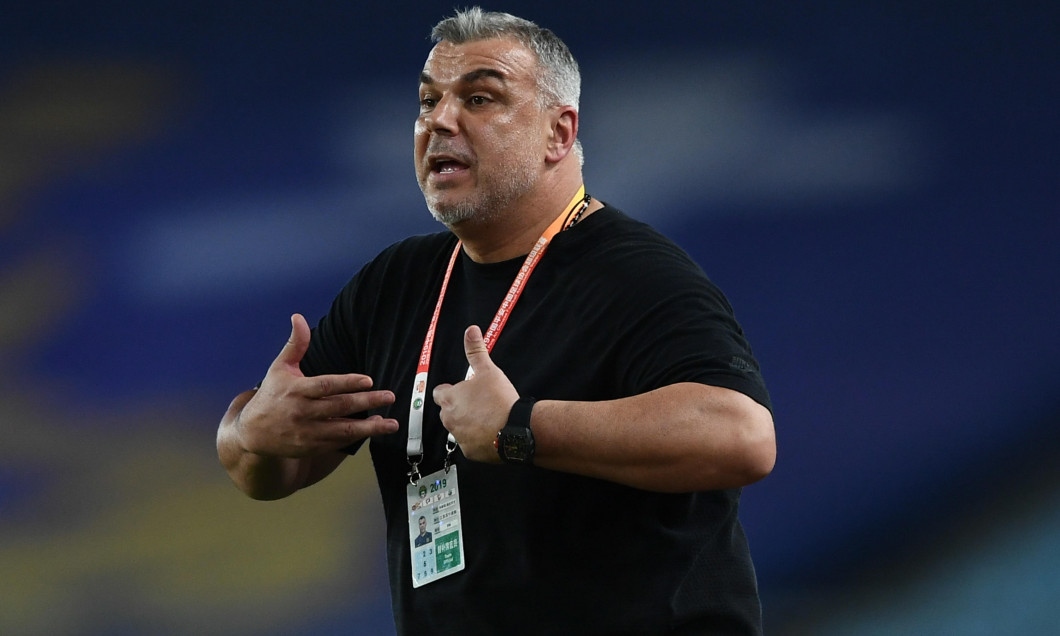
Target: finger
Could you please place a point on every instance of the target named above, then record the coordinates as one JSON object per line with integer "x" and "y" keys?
{"x": 344, "y": 431}
{"x": 441, "y": 393}
{"x": 292, "y": 352}
{"x": 322, "y": 386}
{"x": 343, "y": 405}
{"x": 478, "y": 355}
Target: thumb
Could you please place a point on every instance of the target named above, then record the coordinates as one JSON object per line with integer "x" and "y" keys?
{"x": 478, "y": 356}
{"x": 297, "y": 344}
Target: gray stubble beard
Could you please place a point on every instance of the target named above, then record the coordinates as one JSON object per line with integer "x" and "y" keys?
{"x": 486, "y": 204}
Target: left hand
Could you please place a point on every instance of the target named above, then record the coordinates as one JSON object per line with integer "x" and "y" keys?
{"x": 477, "y": 408}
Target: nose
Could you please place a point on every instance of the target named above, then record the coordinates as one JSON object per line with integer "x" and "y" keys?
{"x": 443, "y": 117}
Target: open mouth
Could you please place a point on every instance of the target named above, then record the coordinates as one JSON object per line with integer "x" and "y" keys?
{"x": 443, "y": 164}
{"x": 447, "y": 166}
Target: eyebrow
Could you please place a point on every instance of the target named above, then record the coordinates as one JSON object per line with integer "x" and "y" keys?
{"x": 468, "y": 77}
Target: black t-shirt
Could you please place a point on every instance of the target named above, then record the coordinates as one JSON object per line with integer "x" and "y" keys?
{"x": 613, "y": 309}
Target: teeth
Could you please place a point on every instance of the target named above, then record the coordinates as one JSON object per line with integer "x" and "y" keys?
{"x": 446, "y": 167}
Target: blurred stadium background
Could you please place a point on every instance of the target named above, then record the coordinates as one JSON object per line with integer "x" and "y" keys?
{"x": 875, "y": 186}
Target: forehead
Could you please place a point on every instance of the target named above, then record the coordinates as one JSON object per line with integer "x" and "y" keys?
{"x": 448, "y": 62}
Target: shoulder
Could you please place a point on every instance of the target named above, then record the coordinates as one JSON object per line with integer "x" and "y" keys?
{"x": 391, "y": 277}
{"x": 388, "y": 285}
{"x": 414, "y": 251}
{"x": 404, "y": 259}
{"x": 611, "y": 246}
{"x": 615, "y": 233}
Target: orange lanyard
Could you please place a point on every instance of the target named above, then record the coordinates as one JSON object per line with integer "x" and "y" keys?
{"x": 419, "y": 384}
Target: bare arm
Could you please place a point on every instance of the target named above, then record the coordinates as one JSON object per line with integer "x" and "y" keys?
{"x": 290, "y": 433}
{"x": 680, "y": 438}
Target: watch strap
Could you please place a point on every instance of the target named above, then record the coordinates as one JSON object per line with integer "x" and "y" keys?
{"x": 518, "y": 425}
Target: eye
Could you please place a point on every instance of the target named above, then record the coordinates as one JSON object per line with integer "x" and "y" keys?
{"x": 478, "y": 100}
{"x": 427, "y": 102}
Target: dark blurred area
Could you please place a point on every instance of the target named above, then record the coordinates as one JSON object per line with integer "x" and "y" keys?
{"x": 875, "y": 187}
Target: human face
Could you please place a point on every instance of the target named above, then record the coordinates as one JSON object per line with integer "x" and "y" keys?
{"x": 481, "y": 133}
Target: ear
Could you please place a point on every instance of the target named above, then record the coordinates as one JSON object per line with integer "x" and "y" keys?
{"x": 563, "y": 131}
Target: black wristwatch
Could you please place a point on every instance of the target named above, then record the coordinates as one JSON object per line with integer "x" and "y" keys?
{"x": 515, "y": 442}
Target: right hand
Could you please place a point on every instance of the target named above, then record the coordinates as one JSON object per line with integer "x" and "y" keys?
{"x": 292, "y": 415}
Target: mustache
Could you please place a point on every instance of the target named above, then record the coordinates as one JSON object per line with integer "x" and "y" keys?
{"x": 442, "y": 146}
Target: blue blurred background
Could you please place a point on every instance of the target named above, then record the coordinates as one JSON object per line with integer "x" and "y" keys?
{"x": 875, "y": 186}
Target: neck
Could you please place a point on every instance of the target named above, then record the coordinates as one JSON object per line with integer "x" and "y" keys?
{"x": 513, "y": 232}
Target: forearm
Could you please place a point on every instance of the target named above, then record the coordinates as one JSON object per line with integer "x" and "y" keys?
{"x": 680, "y": 438}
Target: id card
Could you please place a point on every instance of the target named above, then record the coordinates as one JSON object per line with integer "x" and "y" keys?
{"x": 436, "y": 541}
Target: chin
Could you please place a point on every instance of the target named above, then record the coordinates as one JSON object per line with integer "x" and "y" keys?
{"x": 447, "y": 211}
{"x": 451, "y": 215}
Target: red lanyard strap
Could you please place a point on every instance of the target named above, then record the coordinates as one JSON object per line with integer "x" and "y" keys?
{"x": 414, "y": 448}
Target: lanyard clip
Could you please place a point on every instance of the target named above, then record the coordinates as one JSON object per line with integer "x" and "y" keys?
{"x": 450, "y": 446}
{"x": 414, "y": 472}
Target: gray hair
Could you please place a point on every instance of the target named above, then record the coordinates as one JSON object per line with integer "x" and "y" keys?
{"x": 558, "y": 78}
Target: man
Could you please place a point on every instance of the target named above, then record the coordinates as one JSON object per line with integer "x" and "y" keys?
{"x": 608, "y": 504}
{"x": 424, "y": 537}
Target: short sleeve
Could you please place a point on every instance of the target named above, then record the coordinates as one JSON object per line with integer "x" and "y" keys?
{"x": 679, "y": 327}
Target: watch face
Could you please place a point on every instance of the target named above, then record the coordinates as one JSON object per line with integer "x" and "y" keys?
{"x": 518, "y": 445}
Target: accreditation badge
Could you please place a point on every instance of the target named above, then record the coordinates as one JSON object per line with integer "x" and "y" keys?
{"x": 436, "y": 540}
